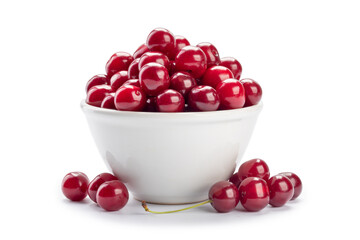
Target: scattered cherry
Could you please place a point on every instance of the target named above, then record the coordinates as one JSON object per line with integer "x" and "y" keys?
{"x": 74, "y": 186}
{"x": 112, "y": 195}
{"x": 99, "y": 79}
{"x": 140, "y": 51}
{"x": 212, "y": 54}
{"x": 231, "y": 93}
{"x": 96, "y": 94}
{"x": 118, "y": 79}
{"x": 130, "y": 98}
{"x": 254, "y": 194}
{"x": 154, "y": 78}
{"x": 281, "y": 190}
{"x": 296, "y": 182}
{"x": 235, "y": 179}
{"x": 182, "y": 82}
{"x": 224, "y": 196}
{"x": 133, "y": 70}
{"x": 170, "y": 101}
{"x": 191, "y": 59}
{"x": 232, "y": 64}
{"x": 154, "y": 57}
{"x": 96, "y": 182}
{"x": 203, "y": 98}
{"x": 161, "y": 40}
{"x": 214, "y": 75}
{"x": 118, "y": 62}
{"x": 253, "y": 91}
{"x": 108, "y": 102}
{"x": 254, "y": 168}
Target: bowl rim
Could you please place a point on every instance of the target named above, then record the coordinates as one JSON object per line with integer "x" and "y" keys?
{"x": 240, "y": 111}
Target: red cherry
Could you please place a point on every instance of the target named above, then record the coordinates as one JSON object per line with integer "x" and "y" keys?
{"x": 254, "y": 194}
{"x": 154, "y": 57}
{"x": 253, "y": 91}
{"x": 108, "y": 102}
{"x": 118, "y": 79}
{"x": 96, "y": 94}
{"x": 254, "y": 168}
{"x": 74, "y": 186}
{"x": 180, "y": 42}
{"x": 118, "y": 62}
{"x": 203, "y": 98}
{"x": 134, "y": 82}
{"x": 150, "y": 104}
{"x": 133, "y": 70}
{"x": 281, "y": 190}
{"x": 154, "y": 78}
{"x": 112, "y": 195}
{"x": 235, "y": 179}
{"x": 140, "y": 51}
{"x": 214, "y": 75}
{"x": 161, "y": 40}
{"x": 172, "y": 69}
{"x": 191, "y": 59}
{"x": 182, "y": 82}
{"x": 170, "y": 101}
{"x": 231, "y": 93}
{"x": 96, "y": 182}
{"x": 232, "y": 64}
{"x": 224, "y": 196}
{"x": 130, "y": 98}
{"x": 296, "y": 182}
{"x": 99, "y": 79}
{"x": 212, "y": 54}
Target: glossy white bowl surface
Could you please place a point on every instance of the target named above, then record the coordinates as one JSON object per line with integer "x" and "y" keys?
{"x": 171, "y": 158}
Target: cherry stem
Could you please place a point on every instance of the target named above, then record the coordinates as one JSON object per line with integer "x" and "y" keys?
{"x": 179, "y": 210}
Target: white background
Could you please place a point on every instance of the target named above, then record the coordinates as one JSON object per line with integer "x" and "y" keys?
{"x": 305, "y": 54}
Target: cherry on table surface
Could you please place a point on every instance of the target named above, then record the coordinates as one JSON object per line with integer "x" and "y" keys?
{"x": 96, "y": 94}
{"x": 112, "y": 195}
{"x": 281, "y": 190}
{"x": 254, "y": 168}
{"x": 180, "y": 42}
{"x": 96, "y": 182}
{"x": 130, "y": 98}
{"x": 235, "y": 179}
{"x": 231, "y": 93}
{"x": 118, "y": 62}
{"x": 253, "y": 91}
{"x": 254, "y": 194}
{"x": 203, "y": 98}
{"x": 108, "y": 102}
{"x": 192, "y": 60}
{"x": 224, "y": 196}
{"x": 154, "y": 57}
{"x": 296, "y": 181}
{"x": 232, "y": 64}
{"x": 161, "y": 40}
{"x": 140, "y": 51}
{"x": 74, "y": 186}
{"x": 99, "y": 79}
{"x": 214, "y": 75}
{"x": 154, "y": 78}
{"x": 133, "y": 70}
{"x": 212, "y": 54}
{"x": 182, "y": 82}
{"x": 118, "y": 79}
{"x": 170, "y": 101}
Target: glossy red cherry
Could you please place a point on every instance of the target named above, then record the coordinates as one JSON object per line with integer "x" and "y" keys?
{"x": 281, "y": 190}
{"x": 235, "y": 179}
{"x": 118, "y": 62}
{"x": 140, "y": 51}
{"x": 172, "y": 68}
{"x": 254, "y": 168}
{"x": 108, "y": 102}
{"x": 170, "y": 101}
{"x": 182, "y": 82}
{"x": 253, "y": 91}
{"x": 154, "y": 57}
{"x": 191, "y": 59}
{"x": 224, "y": 196}
{"x": 118, "y": 79}
{"x": 99, "y": 79}
{"x": 96, "y": 94}
{"x": 254, "y": 194}
{"x": 150, "y": 105}
{"x": 214, "y": 75}
{"x": 232, "y": 64}
{"x": 203, "y": 98}
{"x": 180, "y": 42}
{"x": 154, "y": 78}
{"x": 160, "y": 40}
{"x": 296, "y": 182}
{"x": 133, "y": 70}
{"x": 231, "y": 93}
{"x": 112, "y": 195}
{"x": 134, "y": 82}
{"x": 74, "y": 186}
{"x": 96, "y": 182}
{"x": 130, "y": 98}
{"x": 212, "y": 54}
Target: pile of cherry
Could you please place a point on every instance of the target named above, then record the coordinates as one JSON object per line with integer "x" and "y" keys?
{"x": 251, "y": 186}
{"x": 167, "y": 74}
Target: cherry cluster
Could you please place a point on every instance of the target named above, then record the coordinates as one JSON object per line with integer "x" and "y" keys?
{"x": 167, "y": 74}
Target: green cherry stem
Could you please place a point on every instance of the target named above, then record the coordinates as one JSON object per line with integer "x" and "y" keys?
{"x": 144, "y": 205}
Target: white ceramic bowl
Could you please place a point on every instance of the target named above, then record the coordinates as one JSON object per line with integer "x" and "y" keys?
{"x": 171, "y": 158}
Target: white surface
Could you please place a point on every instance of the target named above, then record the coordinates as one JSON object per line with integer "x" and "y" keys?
{"x": 305, "y": 55}
{"x": 171, "y": 158}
